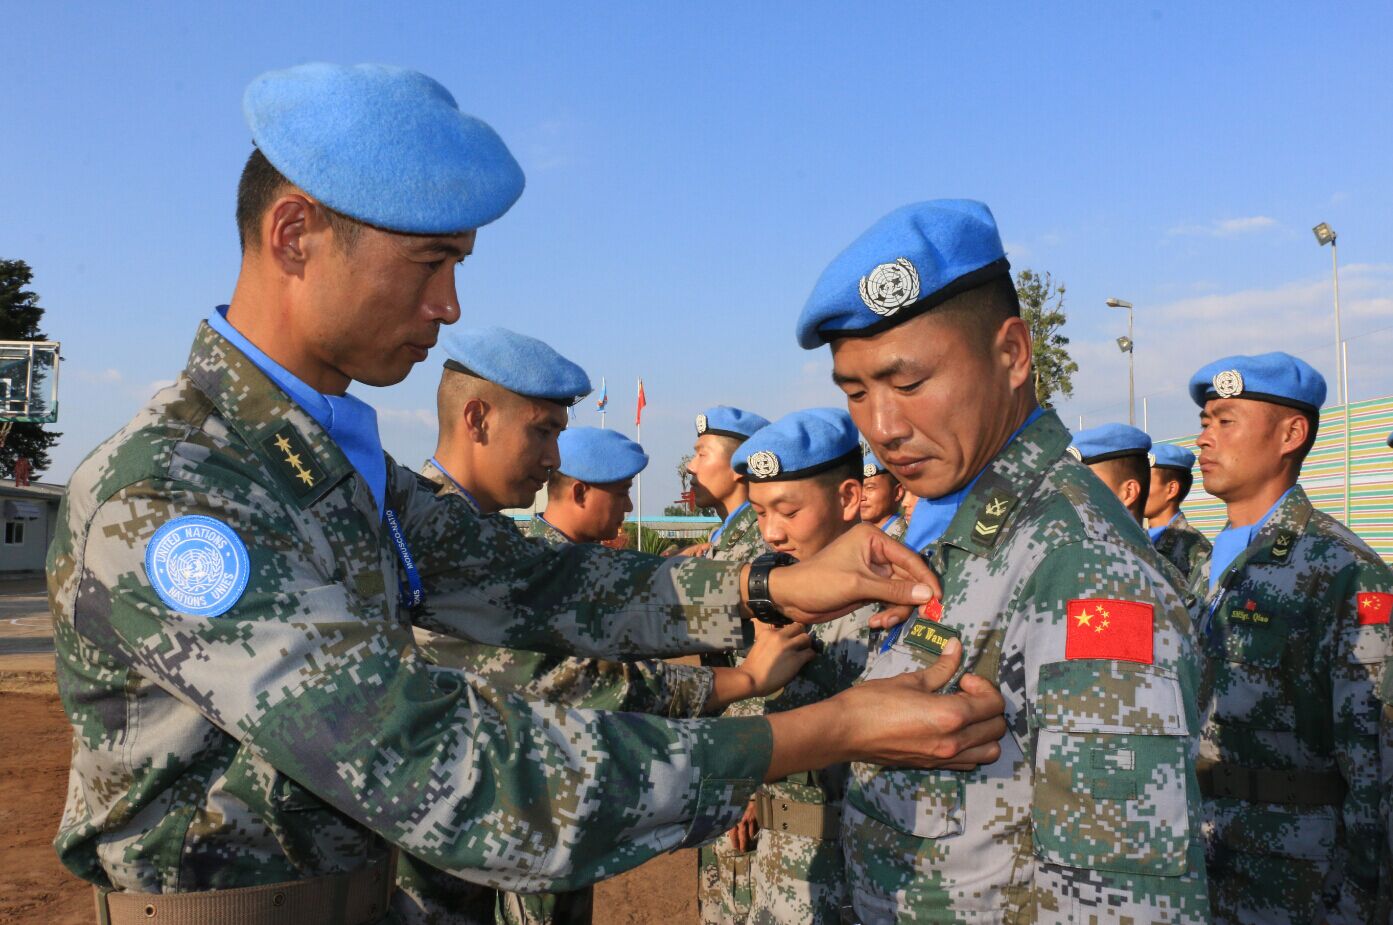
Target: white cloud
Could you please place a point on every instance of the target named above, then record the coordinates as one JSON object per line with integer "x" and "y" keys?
{"x": 1227, "y": 227}
{"x": 408, "y": 417}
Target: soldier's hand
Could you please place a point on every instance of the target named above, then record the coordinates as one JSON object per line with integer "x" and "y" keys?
{"x": 860, "y": 567}
{"x": 695, "y": 550}
{"x": 776, "y": 656}
{"x": 742, "y": 837}
{"x": 895, "y": 721}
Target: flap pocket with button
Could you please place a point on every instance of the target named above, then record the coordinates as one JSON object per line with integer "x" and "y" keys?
{"x": 1110, "y": 768}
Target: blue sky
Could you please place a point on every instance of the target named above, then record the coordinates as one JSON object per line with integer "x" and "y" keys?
{"x": 691, "y": 168}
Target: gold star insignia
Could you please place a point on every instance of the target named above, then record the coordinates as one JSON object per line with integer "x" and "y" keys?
{"x": 304, "y": 476}
{"x": 283, "y": 444}
{"x": 294, "y": 459}
{"x": 1085, "y": 618}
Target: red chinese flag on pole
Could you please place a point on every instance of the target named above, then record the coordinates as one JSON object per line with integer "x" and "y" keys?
{"x": 1102, "y": 628}
{"x": 1374, "y": 608}
{"x": 638, "y": 415}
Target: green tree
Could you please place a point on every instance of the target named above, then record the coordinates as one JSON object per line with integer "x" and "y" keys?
{"x": 20, "y": 314}
{"x": 1042, "y": 308}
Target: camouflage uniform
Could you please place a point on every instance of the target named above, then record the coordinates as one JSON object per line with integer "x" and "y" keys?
{"x": 740, "y": 541}
{"x": 654, "y": 687}
{"x": 795, "y": 877}
{"x": 1290, "y": 754}
{"x": 723, "y": 874}
{"x": 1182, "y": 545}
{"x": 899, "y": 528}
{"x": 301, "y": 732}
{"x": 1091, "y": 814}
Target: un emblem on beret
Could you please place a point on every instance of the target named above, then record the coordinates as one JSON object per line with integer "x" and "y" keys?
{"x": 1074, "y": 452}
{"x": 890, "y": 286}
{"x": 197, "y": 565}
{"x": 701, "y": 423}
{"x": 1151, "y": 459}
{"x": 868, "y": 471}
{"x": 763, "y": 465}
{"x": 1228, "y": 383}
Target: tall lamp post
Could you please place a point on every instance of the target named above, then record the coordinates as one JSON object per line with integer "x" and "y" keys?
{"x": 1326, "y": 235}
{"x": 1127, "y": 345}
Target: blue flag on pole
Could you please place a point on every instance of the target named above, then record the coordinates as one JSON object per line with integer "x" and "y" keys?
{"x": 603, "y": 400}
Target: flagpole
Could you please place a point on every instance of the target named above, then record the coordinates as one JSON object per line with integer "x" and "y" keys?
{"x": 638, "y": 438}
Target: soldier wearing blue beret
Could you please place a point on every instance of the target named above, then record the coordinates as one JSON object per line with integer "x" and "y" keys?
{"x": 882, "y": 498}
{"x": 804, "y": 473}
{"x": 1172, "y": 475}
{"x": 719, "y": 431}
{"x": 1119, "y": 455}
{"x": 236, "y": 575}
{"x": 588, "y": 493}
{"x": 1295, "y": 628}
{"x": 1053, "y": 592}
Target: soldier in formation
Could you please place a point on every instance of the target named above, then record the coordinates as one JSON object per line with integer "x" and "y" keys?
{"x": 882, "y": 498}
{"x": 1172, "y": 475}
{"x": 1051, "y": 589}
{"x": 237, "y": 572}
{"x": 1119, "y": 455}
{"x": 1295, "y": 628}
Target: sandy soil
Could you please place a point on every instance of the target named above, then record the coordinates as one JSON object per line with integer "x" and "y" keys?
{"x": 34, "y": 887}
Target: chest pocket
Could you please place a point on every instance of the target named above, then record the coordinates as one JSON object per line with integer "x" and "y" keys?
{"x": 1110, "y": 768}
{"x": 1252, "y": 684}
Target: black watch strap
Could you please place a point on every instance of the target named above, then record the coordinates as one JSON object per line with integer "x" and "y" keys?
{"x": 757, "y": 588}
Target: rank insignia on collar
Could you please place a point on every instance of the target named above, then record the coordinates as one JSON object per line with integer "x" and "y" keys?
{"x": 1281, "y": 544}
{"x": 987, "y": 528}
{"x": 293, "y": 461}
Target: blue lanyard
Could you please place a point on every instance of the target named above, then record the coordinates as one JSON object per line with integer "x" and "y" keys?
{"x": 412, "y": 595}
{"x": 468, "y": 495}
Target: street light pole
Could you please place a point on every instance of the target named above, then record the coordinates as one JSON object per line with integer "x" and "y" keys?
{"x": 1326, "y": 235}
{"x": 1128, "y": 346}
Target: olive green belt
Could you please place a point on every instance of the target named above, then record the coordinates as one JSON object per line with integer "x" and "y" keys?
{"x": 358, "y": 897}
{"x": 810, "y": 820}
{"x": 1264, "y": 785}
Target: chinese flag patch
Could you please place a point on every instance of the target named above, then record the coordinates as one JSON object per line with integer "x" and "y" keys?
{"x": 1102, "y": 628}
{"x": 1374, "y": 608}
{"x": 933, "y": 610}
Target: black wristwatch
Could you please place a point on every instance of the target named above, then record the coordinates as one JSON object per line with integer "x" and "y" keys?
{"x": 757, "y": 588}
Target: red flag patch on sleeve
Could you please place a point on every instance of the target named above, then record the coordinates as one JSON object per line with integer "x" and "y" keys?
{"x": 1102, "y": 628}
{"x": 1374, "y": 607}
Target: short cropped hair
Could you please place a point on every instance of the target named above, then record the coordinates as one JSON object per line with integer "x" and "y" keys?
{"x": 849, "y": 469}
{"x": 259, "y": 186}
{"x": 1185, "y": 480}
{"x": 983, "y": 309}
{"x": 1122, "y": 468}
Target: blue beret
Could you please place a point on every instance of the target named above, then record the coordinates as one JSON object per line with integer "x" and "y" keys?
{"x": 590, "y": 454}
{"x": 1279, "y": 378}
{"x": 1109, "y": 441}
{"x": 798, "y": 446}
{"x": 517, "y": 362}
{"x": 724, "y": 421}
{"x": 1170, "y": 456}
{"x": 383, "y": 145}
{"x": 916, "y": 257}
{"x": 871, "y": 467}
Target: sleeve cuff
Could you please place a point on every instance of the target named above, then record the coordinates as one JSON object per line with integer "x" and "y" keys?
{"x": 735, "y": 756}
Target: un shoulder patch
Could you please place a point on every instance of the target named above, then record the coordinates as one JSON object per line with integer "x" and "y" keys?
{"x": 197, "y": 565}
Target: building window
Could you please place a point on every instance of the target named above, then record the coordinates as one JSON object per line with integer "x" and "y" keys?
{"x": 14, "y": 533}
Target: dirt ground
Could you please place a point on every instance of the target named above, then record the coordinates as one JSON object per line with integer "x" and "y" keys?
{"x": 34, "y": 750}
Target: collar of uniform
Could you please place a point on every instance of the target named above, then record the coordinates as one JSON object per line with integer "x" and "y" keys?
{"x": 547, "y": 530}
{"x": 735, "y": 524}
{"x": 1274, "y": 539}
{"x": 296, "y": 448}
{"x": 1008, "y": 481}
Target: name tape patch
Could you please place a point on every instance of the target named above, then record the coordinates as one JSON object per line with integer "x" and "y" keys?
{"x": 197, "y": 565}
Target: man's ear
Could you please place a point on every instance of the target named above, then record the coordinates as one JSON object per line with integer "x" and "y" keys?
{"x": 579, "y": 493}
{"x": 1296, "y": 429}
{"x": 849, "y": 497}
{"x": 898, "y": 492}
{"x": 1013, "y": 347}
{"x": 289, "y": 232}
{"x": 475, "y": 415}
{"x": 1129, "y": 492}
{"x": 1172, "y": 490}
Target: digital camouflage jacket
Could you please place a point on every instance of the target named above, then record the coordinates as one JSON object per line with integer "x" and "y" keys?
{"x": 1182, "y": 545}
{"x": 741, "y": 541}
{"x": 1091, "y": 814}
{"x": 299, "y": 732}
{"x": 1296, "y": 633}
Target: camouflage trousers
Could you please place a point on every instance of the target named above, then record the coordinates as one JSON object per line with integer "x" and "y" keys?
{"x": 1267, "y": 867}
{"x": 427, "y": 896}
{"x": 572, "y": 908}
{"x": 723, "y": 883}
{"x": 797, "y": 880}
